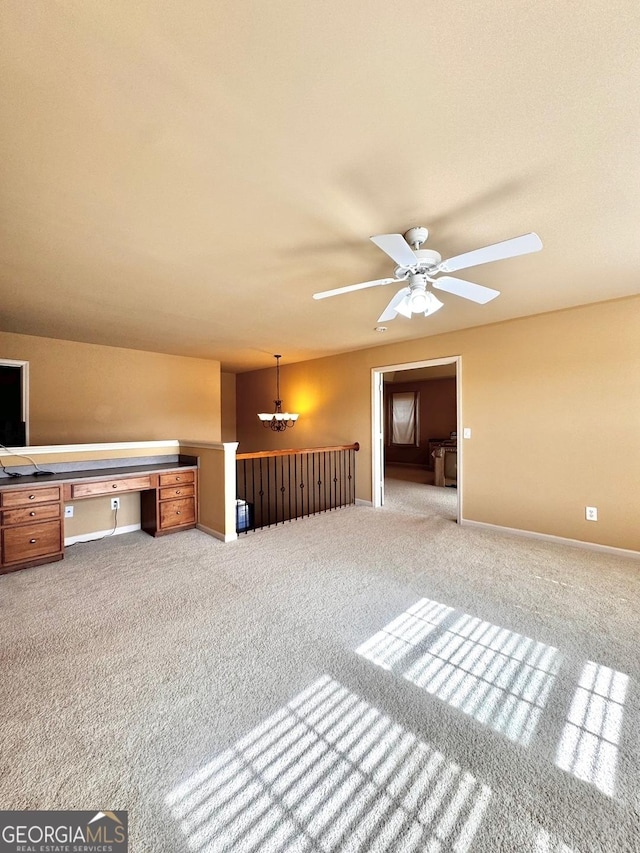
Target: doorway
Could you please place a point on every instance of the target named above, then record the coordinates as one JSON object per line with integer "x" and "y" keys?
{"x": 14, "y": 403}
{"x": 451, "y": 365}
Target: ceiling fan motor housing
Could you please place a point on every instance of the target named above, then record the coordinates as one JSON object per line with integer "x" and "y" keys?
{"x": 428, "y": 260}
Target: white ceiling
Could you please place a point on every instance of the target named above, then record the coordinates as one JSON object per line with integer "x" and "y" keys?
{"x": 182, "y": 176}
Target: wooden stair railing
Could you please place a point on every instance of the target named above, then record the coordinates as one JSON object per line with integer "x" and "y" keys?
{"x": 275, "y": 486}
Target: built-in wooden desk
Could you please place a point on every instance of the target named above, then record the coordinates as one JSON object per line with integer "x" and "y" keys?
{"x": 31, "y": 508}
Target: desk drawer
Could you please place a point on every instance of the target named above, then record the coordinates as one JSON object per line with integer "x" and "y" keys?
{"x": 28, "y": 497}
{"x": 28, "y": 513}
{"x": 177, "y": 477}
{"x": 20, "y": 544}
{"x": 178, "y": 492}
{"x": 176, "y": 513}
{"x": 110, "y": 487}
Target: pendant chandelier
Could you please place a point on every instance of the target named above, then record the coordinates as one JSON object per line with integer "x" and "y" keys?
{"x": 278, "y": 421}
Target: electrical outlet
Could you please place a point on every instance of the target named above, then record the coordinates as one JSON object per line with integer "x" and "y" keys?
{"x": 115, "y": 503}
{"x": 466, "y": 432}
{"x": 68, "y": 512}
{"x": 591, "y": 513}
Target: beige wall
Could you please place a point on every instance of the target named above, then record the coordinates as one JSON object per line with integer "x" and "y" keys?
{"x": 553, "y": 402}
{"x": 216, "y": 487}
{"x": 95, "y": 514}
{"x": 89, "y": 393}
{"x": 228, "y": 406}
{"x": 315, "y": 389}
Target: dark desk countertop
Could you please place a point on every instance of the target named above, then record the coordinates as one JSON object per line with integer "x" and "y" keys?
{"x": 86, "y": 475}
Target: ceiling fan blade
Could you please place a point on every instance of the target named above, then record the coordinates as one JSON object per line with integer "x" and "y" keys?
{"x": 338, "y": 290}
{"x": 397, "y": 248}
{"x": 391, "y": 311}
{"x": 496, "y": 252}
{"x": 467, "y": 289}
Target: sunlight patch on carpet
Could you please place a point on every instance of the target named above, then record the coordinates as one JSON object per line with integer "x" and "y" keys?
{"x": 588, "y": 747}
{"x": 397, "y": 639}
{"x": 330, "y": 772}
{"x": 546, "y": 842}
{"x": 497, "y": 676}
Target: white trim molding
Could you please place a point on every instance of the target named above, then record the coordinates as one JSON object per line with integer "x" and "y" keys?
{"x": 100, "y": 534}
{"x": 559, "y": 540}
{"x": 377, "y": 423}
{"x": 229, "y": 537}
{"x": 210, "y": 445}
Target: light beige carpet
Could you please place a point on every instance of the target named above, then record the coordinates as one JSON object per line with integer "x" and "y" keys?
{"x": 364, "y": 680}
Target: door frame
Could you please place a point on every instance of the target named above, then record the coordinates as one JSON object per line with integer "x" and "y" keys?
{"x": 377, "y": 423}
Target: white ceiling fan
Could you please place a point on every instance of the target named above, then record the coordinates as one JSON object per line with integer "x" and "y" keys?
{"x": 417, "y": 267}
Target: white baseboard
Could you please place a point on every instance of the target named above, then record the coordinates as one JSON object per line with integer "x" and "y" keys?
{"x": 228, "y": 537}
{"x": 100, "y": 534}
{"x": 560, "y": 540}
{"x": 361, "y": 502}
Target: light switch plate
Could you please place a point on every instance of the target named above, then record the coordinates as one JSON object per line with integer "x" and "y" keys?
{"x": 466, "y": 432}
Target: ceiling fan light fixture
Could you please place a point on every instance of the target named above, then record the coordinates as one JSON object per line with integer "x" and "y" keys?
{"x": 419, "y": 301}
{"x": 433, "y": 304}
{"x": 404, "y": 307}
{"x": 423, "y": 301}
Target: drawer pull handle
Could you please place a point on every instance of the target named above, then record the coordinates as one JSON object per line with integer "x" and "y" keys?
{"x": 33, "y": 541}
{"x": 32, "y": 497}
{"x": 178, "y": 512}
{"x": 32, "y": 512}
{"x": 178, "y": 479}
{"x": 114, "y": 486}
{"x": 178, "y": 492}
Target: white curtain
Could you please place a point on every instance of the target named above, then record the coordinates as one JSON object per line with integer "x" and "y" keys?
{"x": 403, "y": 418}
